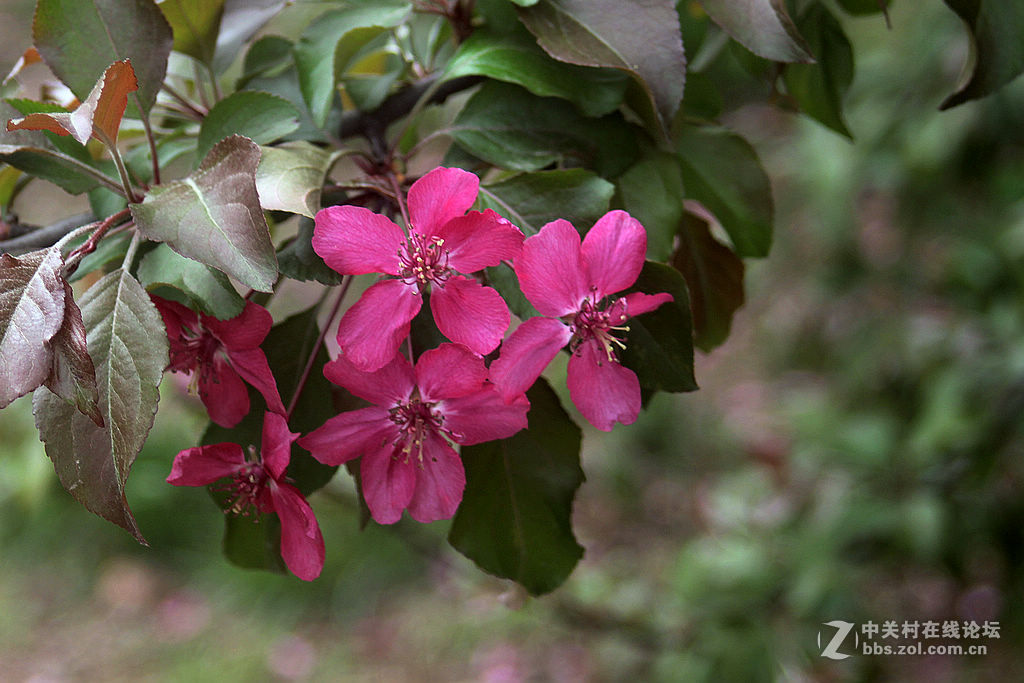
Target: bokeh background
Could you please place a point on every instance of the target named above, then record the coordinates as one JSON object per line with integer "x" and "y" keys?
{"x": 855, "y": 453}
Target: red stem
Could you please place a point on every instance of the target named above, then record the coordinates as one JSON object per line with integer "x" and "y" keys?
{"x": 87, "y": 247}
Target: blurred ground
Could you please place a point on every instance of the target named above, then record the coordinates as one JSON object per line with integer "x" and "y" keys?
{"x": 854, "y": 454}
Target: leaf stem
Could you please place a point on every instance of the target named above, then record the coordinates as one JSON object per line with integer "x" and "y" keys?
{"x": 399, "y": 199}
{"x": 88, "y": 170}
{"x": 316, "y": 348}
{"x": 217, "y": 95}
{"x": 149, "y": 138}
{"x": 132, "y": 248}
{"x": 184, "y": 102}
{"x": 122, "y": 171}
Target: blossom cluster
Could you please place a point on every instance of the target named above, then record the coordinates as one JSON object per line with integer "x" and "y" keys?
{"x": 450, "y": 395}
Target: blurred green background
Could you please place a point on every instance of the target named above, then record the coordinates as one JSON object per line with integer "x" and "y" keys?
{"x": 854, "y": 454}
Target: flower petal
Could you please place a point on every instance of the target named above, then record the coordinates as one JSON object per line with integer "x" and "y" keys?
{"x": 372, "y": 330}
{"x": 603, "y": 390}
{"x": 385, "y": 387}
{"x": 469, "y": 313}
{"x": 350, "y": 435}
{"x": 354, "y": 240}
{"x": 526, "y": 353}
{"x": 484, "y": 416}
{"x": 639, "y": 303}
{"x": 613, "y": 252}
{"x": 247, "y": 330}
{"x": 479, "y": 240}
{"x": 388, "y": 484}
{"x": 440, "y": 482}
{"x": 175, "y": 317}
{"x": 440, "y": 196}
{"x": 550, "y": 272}
{"x": 223, "y": 392}
{"x": 204, "y": 465}
{"x": 252, "y": 366}
{"x": 276, "y": 444}
{"x": 449, "y": 370}
{"x": 302, "y": 544}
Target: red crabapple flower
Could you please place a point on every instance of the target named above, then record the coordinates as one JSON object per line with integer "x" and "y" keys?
{"x": 407, "y": 461}
{"x": 443, "y": 241}
{"x": 258, "y": 485}
{"x": 220, "y": 354}
{"x": 573, "y": 285}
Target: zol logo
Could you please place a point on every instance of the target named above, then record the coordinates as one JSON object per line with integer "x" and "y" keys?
{"x": 843, "y": 628}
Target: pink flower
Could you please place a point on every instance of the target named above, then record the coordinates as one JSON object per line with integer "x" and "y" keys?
{"x": 407, "y": 461}
{"x": 572, "y": 285}
{"x": 443, "y": 241}
{"x": 220, "y": 354}
{"x": 259, "y": 484}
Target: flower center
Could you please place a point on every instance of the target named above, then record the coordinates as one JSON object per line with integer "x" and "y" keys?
{"x": 424, "y": 260}
{"x": 194, "y": 351}
{"x": 594, "y": 321}
{"x": 415, "y": 419}
{"x": 245, "y": 490}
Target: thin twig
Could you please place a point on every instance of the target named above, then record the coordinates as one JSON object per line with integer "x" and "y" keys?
{"x": 45, "y": 236}
{"x": 400, "y": 200}
{"x": 316, "y": 348}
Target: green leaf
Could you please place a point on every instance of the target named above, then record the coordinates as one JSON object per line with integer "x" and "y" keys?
{"x": 195, "y": 24}
{"x": 73, "y": 375}
{"x": 203, "y": 287}
{"x": 259, "y": 116}
{"x": 48, "y": 164}
{"x": 652, "y": 192}
{"x": 60, "y": 160}
{"x": 858, "y": 7}
{"x": 515, "y": 520}
{"x": 9, "y": 177}
{"x": 290, "y": 177}
{"x": 763, "y": 26}
{"x": 32, "y": 301}
{"x": 721, "y": 171}
{"x": 128, "y": 345}
{"x": 254, "y": 542}
{"x": 298, "y": 260}
{"x": 322, "y": 52}
{"x": 997, "y": 50}
{"x": 268, "y": 55}
{"x": 516, "y": 58}
{"x": 531, "y": 200}
{"x": 240, "y": 22}
{"x": 493, "y": 127}
{"x": 213, "y": 216}
{"x": 819, "y": 88}
{"x": 641, "y": 38}
{"x": 714, "y": 276}
{"x": 79, "y": 40}
{"x": 659, "y": 344}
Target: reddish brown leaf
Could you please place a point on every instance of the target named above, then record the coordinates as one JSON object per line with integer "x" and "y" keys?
{"x": 31, "y": 56}
{"x": 31, "y": 313}
{"x": 99, "y": 116}
{"x": 73, "y": 375}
